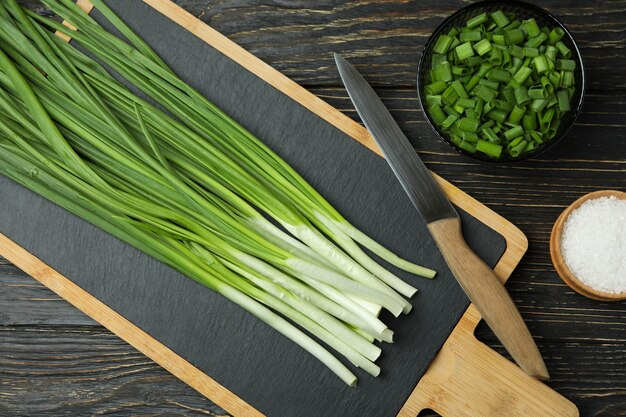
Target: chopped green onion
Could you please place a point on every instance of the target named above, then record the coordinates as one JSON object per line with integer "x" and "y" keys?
{"x": 476, "y": 20}
{"x": 498, "y": 115}
{"x": 482, "y": 47}
{"x": 516, "y": 150}
{"x": 469, "y": 125}
{"x": 443, "y": 44}
{"x": 499, "y": 39}
{"x": 495, "y": 74}
{"x": 437, "y": 60}
{"x": 531, "y": 52}
{"x": 450, "y": 96}
{"x": 485, "y": 93}
{"x": 521, "y": 75}
{"x": 505, "y": 77}
{"x": 555, "y": 35}
{"x": 538, "y": 104}
{"x": 470, "y": 36}
{"x": 443, "y": 72}
{"x": 563, "y": 50}
{"x": 467, "y": 103}
{"x": 449, "y": 121}
{"x": 514, "y": 132}
{"x": 531, "y": 28}
{"x": 564, "y": 100}
{"x": 567, "y": 78}
{"x": 536, "y": 41}
{"x": 437, "y": 114}
{"x": 514, "y": 36}
{"x": 449, "y": 109}
{"x": 500, "y": 18}
{"x": 566, "y": 64}
{"x": 433, "y": 99}
{"x": 464, "y": 51}
{"x": 537, "y": 93}
{"x": 521, "y": 96}
{"x": 515, "y": 117}
{"x": 437, "y": 87}
{"x": 541, "y": 64}
{"x": 489, "y": 135}
{"x": 460, "y": 90}
{"x": 473, "y": 82}
{"x": 488, "y": 148}
{"x": 550, "y": 53}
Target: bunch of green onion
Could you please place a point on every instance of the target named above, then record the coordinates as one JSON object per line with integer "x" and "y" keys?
{"x": 186, "y": 184}
{"x": 500, "y": 86}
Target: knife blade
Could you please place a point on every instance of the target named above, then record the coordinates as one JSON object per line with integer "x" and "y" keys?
{"x": 478, "y": 281}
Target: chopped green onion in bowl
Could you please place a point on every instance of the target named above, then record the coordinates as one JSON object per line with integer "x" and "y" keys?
{"x": 499, "y": 82}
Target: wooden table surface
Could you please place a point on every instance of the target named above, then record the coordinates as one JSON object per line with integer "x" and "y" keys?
{"x": 54, "y": 361}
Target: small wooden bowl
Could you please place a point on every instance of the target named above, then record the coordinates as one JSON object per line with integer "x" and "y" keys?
{"x": 557, "y": 256}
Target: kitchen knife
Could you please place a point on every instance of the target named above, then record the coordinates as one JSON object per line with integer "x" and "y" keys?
{"x": 478, "y": 281}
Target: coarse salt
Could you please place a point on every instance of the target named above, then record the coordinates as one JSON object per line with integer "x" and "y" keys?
{"x": 593, "y": 243}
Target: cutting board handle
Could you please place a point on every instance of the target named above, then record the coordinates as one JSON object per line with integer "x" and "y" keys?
{"x": 469, "y": 379}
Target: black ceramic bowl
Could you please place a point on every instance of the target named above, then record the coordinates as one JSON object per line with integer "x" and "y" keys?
{"x": 522, "y": 10}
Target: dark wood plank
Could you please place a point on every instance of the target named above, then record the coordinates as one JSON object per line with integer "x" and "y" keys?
{"x": 94, "y": 373}
{"x": 385, "y": 38}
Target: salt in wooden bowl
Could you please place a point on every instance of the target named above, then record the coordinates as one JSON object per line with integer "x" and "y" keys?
{"x": 557, "y": 256}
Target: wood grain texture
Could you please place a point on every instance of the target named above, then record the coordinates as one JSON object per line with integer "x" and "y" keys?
{"x": 384, "y": 38}
{"x": 583, "y": 341}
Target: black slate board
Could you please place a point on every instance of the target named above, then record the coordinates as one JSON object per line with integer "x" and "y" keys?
{"x": 240, "y": 352}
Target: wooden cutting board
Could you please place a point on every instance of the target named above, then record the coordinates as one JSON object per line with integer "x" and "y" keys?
{"x": 224, "y": 353}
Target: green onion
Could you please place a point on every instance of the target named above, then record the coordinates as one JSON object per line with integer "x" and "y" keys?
{"x": 476, "y": 20}
{"x": 442, "y": 72}
{"x": 531, "y": 28}
{"x": 464, "y": 51}
{"x": 537, "y": 93}
{"x": 512, "y": 82}
{"x": 521, "y": 96}
{"x": 564, "y": 100}
{"x": 515, "y": 117}
{"x": 470, "y": 36}
{"x": 536, "y": 41}
{"x": 488, "y": 148}
{"x": 485, "y": 93}
{"x": 443, "y": 44}
{"x": 500, "y": 18}
{"x": 514, "y": 36}
{"x": 555, "y": 35}
{"x": 563, "y": 50}
{"x": 499, "y": 75}
{"x": 482, "y": 47}
{"x": 437, "y": 87}
{"x": 437, "y": 114}
{"x": 499, "y": 39}
{"x": 516, "y": 150}
{"x": 189, "y": 186}
{"x": 566, "y": 64}
{"x": 521, "y": 75}
{"x": 467, "y": 103}
{"x": 469, "y": 125}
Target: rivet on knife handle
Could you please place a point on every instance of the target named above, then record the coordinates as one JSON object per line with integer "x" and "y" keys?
{"x": 481, "y": 285}
{"x": 484, "y": 288}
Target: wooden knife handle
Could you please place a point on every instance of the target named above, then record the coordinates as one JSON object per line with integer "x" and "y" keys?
{"x": 489, "y": 296}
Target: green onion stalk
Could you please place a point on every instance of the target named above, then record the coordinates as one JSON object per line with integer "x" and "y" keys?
{"x": 188, "y": 185}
